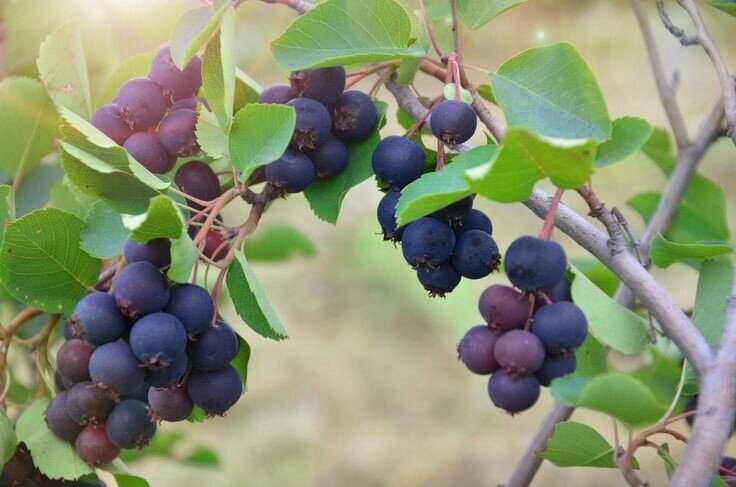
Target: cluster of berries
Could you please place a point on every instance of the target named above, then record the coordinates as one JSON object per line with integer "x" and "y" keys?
{"x": 146, "y": 352}
{"x": 155, "y": 118}
{"x": 531, "y": 336}
{"x": 327, "y": 117}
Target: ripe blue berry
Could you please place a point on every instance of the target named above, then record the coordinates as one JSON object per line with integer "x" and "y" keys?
{"x": 176, "y": 83}
{"x": 157, "y": 339}
{"x": 277, "y": 94}
{"x": 96, "y": 319}
{"x": 453, "y": 122}
{"x": 386, "y": 213}
{"x": 555, "y": 366}
{"x": 142, "y": 103}
{"x": 398, "y": 161}
{"x": 177, "y": 133}
{"x": 86, "y": 404}
{"x": 560, "y": 291}
{"x": 562, "y": 327}
{"x": 503, "y": 307}
{"x": 141, "y": 393}
{"x": 129, "y": 425}
{"x": 291, "y": 173}
{"x": 514, "y": 394}
{"x": 440, "y": 280}
{"x": 148, "y": 150}
{"x": 215, "y": 392}
{"x": 156, "y": 252}
{"x": 474, "y": 220}
{"x": 454, "y": 213}
{"x": 476, "y": 350}
{"x": 140, "y": 289}
{"x": 533, "y": 263}
{"x": 214, "y": 348}
{"x": 72, "y": 360}
{"x": 193, "y": 306}
{"x": 313, "y": 124}
{"x": 109, "y": 120}
{"x": 428, "y": 242}
{"x": 171, "y": 375}
{"x": 330, "y": 158}
{"x": 59, "y": 421}
{"x": 113, "y": 368}
{"x": 323, "y": 84}
{"x": 198, "y": 180}
{"x": 172, "y": 404}
{"x": 519, "y": 352}
{"x": 476, "y": 254}
{"x": 354, "y": 116}
{"x": 95, "y": 447}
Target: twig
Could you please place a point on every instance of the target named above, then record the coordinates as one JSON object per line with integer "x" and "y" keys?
{"x": 455, "y": 27}
{"x": 301, "y": 6}
{"x": 676, "y": 31}
{"x": 430, "y": 30}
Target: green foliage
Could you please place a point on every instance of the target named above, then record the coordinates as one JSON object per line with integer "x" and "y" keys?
{"x": 162, "y": 220}
{"x": 370, "y": 31}
{"x": 278, "y": 243}
{"x": 192, "y": 32}
{"x": 183, "y": 258}
{"x": 591, "y": 358}
{"x": 260, "y": 135}
{"x": 711, "y": 298}
{"x": 172, "y": 445}
{"x": 477, "y": 13}
{"x": 212, "y": 139}
{"x": 665, "y": 253}
{"x": 8, "y": 441}
{"x": 218, "y": 70}
{"x": 240, "y": 362}
{"x": 34, "y": 190}
{"x": 103, "y": 235}
{"x": 599, "y": 274}
{"x": 628, "y": 135}
{"x": 728, "y": 6}
{"x": 578, "y": 445}
{"x": 7, "y": 207}
{"x": 135, "y": 66}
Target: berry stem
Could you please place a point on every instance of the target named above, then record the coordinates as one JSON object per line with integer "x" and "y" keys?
{"x": 530, "y": 314}
{"x": 549, "y": 221}
{"x": 440, "y": 155}
{"x": 418, "y": 126}
{"x": 359, "y": 76}
{"x": 430, "y": 30}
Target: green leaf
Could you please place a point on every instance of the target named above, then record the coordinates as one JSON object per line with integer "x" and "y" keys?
{"x": 202, "y": 456}
{"x": 7, "y": 207}
{"x": 612, "y": 324}
{"x": 711, "y": 298}
{"x": 325, "y": 196}
{"x": 728, "y": 6}
{"x": 260, "y": 135}
{"x": 218, "y": 70}
{"x": 42, "y": 264}
{"x": 250, "y": 300}
{"x": 240, "y": 362}
{"x": 661, "y": 373}
{"x": 591, "y": 358}
{"x": 28, "y": 126}
{"x": 161, "y": 220}
{"x": 34, "y": 190}
{"x": 278, "y": 243}
{"x": 435, "y": 190}
{"x": 128, "y": 480}
{"x": 192, "y": 31}
{"x": 525, "y": 158}
{"x": 669, "y": 463}
{"x": 619, "y": 395}
{"x": 601, "y": 275}
{"x": 7, "y": 438}
{"x": 486, "y": 91}
{"x": 664, "y": 253}
{"x": 564, "y": 102}
{"x": 477, "y": 13}
{"x": 183, "y": 257}
{"x": 135, "y": 66}
{"x": 103, "y": 235}
{"x": 578, "y": 445}
{"x": 247, "y": 90}
{"x": 52, "y": 456}
{"x": 197, "y": 416}
{"x": 369, "y": 31}
{"x": 628, "y": 135}
{"x": 211, "y": 137}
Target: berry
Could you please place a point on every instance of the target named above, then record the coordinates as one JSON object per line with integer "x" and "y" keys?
{"x": 176, "y": 83}
{"x": 214, "y": 348}
{"x": 18, "y": 470}
{"x": 215, "y": 392}
{"x": 277, "y": 94}
{"x": 560, "y": 291}
{"x": 428, "y": 242}
{"x": 386, "y": 213}
{"x": 185, "y": 104}
{"x": 691, "y": 405}
{"x": 109, "y": 120}
{"x": 474, "y": 220}
{"x": 555, "y": 366}
{"x": 156, "y": 252}
{"x": 454, "y": 212}
{"x": 476, "y": 254}
{"x": 728, "y": 463}
{"x": 354, "y": 116}
{"x": 177, "y": 133}
{"x": 171, "y": 375}
{"x": 140, "y": 289}
{"x": 503, "y": 307}
{"x": 113, "y": 368}
{"x": 534, "y": 263}
{"x": 213, "y": 242}
{"x": 514, "y": 394}
{"x": 313, "y": 124}
{"x": 562, "y": 327}
{"x": 438, "y": 281}
{"x": 291, "y": 173}
{"x": 97, "y": 320}
{"x": 198, "y": 180}
{"x": 95, "y": 447}
{"x": 72, "y": 360}
{"x": 330, "y": 158}
{"x": 140, "y": 393}
{"x": 157, "y": 339}
{"x": 148, "y": 150}
{"x": 142, "y": 103}
{"x": 193, "y": 306}
{"x": 398, "y": 161}
{"x": 476, "y": 350}
{"x": 61, "y": 383}
{"x": 519, "y": 352}
{"x": 453, "y": 122}
{"x": 130, "y": 425}
{"x": 324, "y": 85}
{"x": 172, "y": 404}
{"x": 86, "y": 404}
{"x": 59, "y": 421}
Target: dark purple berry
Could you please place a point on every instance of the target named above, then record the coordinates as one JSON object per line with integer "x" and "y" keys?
{"x": 438, "y": 281}
{"x": 176, "y": 83}
{"x": 453, "y": 122}
{"x": 177, "y": 133}
{"x": 109, "y": 120}
{"x": 114, "y": 369}
{"x": 172, "y": 404}
{"x": 198, "y": 180}
{"x": 313, "y": 124}
{"x": 142, "y": 103}
{"x": 476, "y": 254}
{"x": 562, "y": 327}
{"x": 533, "y": 263}
{"x": 193, "y": 306}
{"x": 354, "y": 116}
{"x": 59, "y": 421}
{"x": 519, "y": 352}
{"x": 503, "y": 307}
{"x": 140, "y": 393}
{"x": 147, "y": 149}
{"x": 476, "y": 350}
{"x": 156, "y": 252}
{"x": 560, "y": 291}
{"x": 214, "y": 348}
{"x": 96, "y": 319}
{"x": 129, "y": 425}
{"x": 72, "y": 360}
{"x": 323, "y": 84}
{"x": 398, "y": 161}
{"x": 727, "y": 464}
{"x": 691, "y": 405}
{"x": 291, "y": 173}
{"x": 185, "y": 104}
{"x": 61, "y": 383}
{"x": 474, "y": 220}
{"x": 330, "y": 158}
{"x": 19, "y": 469}
{"x": 171, "y": 375}
{"x": 428, "y": 242}
{"x": 454, "y": 212}
{"x": 86, "y": 404}
{"x": 513, "y": 394}
{"x": 215, "y": 392}
{"x": 95, "y": 447}
{"x": 386, "y": 213}
{"x": 277, "y": 94}
{"x": 555, "y": 366}
{"x": 140, "y": 289}
{"x": 157, "y": 339}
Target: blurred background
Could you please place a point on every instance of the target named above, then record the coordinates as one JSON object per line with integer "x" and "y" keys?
{"x": 368, "y": 390}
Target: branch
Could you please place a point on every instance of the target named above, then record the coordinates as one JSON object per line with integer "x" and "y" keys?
{"x": 301, "y": 6}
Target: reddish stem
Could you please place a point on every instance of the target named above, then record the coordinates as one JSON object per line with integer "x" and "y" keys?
{"x": 532, "y": 303}
{"x": 430, "y": 30}
{"x": 418, "y": 126}
{"x": 549, "y": 221}
{"x": 440, "y": 155}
